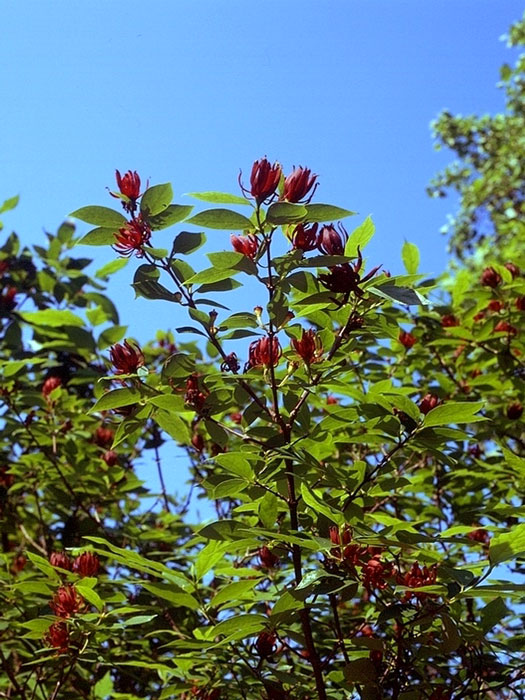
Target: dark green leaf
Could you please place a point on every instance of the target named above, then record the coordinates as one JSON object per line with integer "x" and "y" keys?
{"x": 454, "y": 412}
{"x": 326, "y": 212}
{"x": 53, "y": 318}
{"x": 156, "y": 199}
{"x": 221, "y": 219}
{"x": 186, "y": 243}
{"x": 218, "y": 198}
{"x": 281, "y": 213}
{"x": 100, "y": 216}
{"x": 170, "y": 216}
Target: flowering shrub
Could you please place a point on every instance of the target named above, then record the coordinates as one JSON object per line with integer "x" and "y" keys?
{"x": 362, "y": 480}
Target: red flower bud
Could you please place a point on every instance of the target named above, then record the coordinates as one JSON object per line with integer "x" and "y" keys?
{"x": 110, "y": 457}
{"x": 417, "y": 577}
{"x": 195, "y": 396}
{"x": 504, "y": 327}
{"x": 495, "y": 305}
{"x": 479, "y": 316}
{"x": 236, "y": 418}
{"x": 58, "y": 636}
{"x": 86, "y": 564}
{"x": 267, "y": 559}
{"x": 67, "y": 601}
{"x": 514, "y": 411}
{"x": 490, "y": 278}
{"x": 309, "y": 348}
{"x": 231, "y": 363}
{"x": 264, "y": 179}
{"x": 448, "y": 321}
{"x": 298, "y": 184}
{"x": 407, "y": 339}
{"x": 247, "y": 245}
{"x": 520, "y": 303}
{"x": 126, "y": 358}
{"x": 479, "y": 535}
{"x": 264, "y": 353}
{"x": 60, "y": 560}
{"x": 103, "y": 437}
{"x": 513, "y": 269}
{"x": 265, "y": 644}
{"x": 428, "y": 402}
{"x": 331, "y": 241}
{"x": 7, "y": 300}
{"x": 197, "y": 441}
{"x": 128, "y": 184}
{"x": 50, "y": 385}
{"x": 305, "y": 237}
{"x": 132, "y": 238}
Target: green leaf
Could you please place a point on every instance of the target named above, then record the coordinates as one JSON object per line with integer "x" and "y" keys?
{"x": 98, "y": 236}
{"x": 116, "y": 399}
{"x": 173, "y": 425}
{"x": 186, "y": 243}
{"x": 235, "y": 463}
{"x": 493, "y": 613}
{"x": 53, "y": 318}
{"x": 100, "y": 216}
{"x": 169, "y": 592}
{"x": 104, "y": 687}
{"x": 361, "y": 671}
{"x": 223, "y": 530}
{"x": 221, "y": 219}
{"x": 170, "y": 216}
{"x": 111, "y": 336}
{"x": 156, "y": 199}
{"x": 507, "y": 546}
{"x": 403, "y": 295}
{"x": 410, "y": 256}
{"x": 9, "y": 204}
{"x": 454, "y": 412}
{"x": 319, "y": 506}
{"x": 281, "y": 213}
{"x": 111, "y": 267}
{"x": 211, "y": 275}
{"x": 234, "y": 592}
{"x": 326, "y": 212}
{"x": 360, "y": 236}
{"x": 218, "y": 198}
{"x": 90, "y": 595}
{"x": 210, "y": 555}
{"x": 242, "y": 625}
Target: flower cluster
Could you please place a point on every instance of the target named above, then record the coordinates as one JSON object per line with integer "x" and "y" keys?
{"x": 264, "y": 352}
{"x": 67, "y": 601}
{"x": 126, "y": 358}
{"x": 374, "y": 571}
{"x": 195, "y": 395}
{"x": 490, "y": 278}
{"x": 132, "y": 238}
{"x": 86, "y": 564}
{"x": 415, "y": 578}
{"x": 265, "y": 178}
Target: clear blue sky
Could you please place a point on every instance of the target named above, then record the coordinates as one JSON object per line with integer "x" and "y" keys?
{"x": 189, "y": 91}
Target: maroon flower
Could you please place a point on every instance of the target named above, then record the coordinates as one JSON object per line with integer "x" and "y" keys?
{"x": 110, "y": 457}
{"x": 479, "y": 535}
{"x": 375, "y": 572}
{"x": 86, "y": 564}
{"x": 520, "y": 303}
{"x": 490, "y": 278}
{"x": 103, "y": 437}
{"x": 231, "y": 363}
{"x": 132, "y": 238}
{"x": 298, "y": 184}
{"x": 247, "y": 245}
{"x": 197, "y": 441}
{"x": 513, "y": 269}
{"x": 126, "y": 358}
{"x": 495, "y": 305}
{"x": 428, "y": 402}
{"x": 417, "y": 577}
{"x": 514, "y": 411}
{"x": 265, "y": 644}
{"x": 504, "y": 327}
{"x": 195, "y": 396}
{"x": 264, "y": 353}
{"x": 50, "y": 385}
{"x": 58, "y": 636}
{"x": 407, "y": 339}
{"x": 67, "y": 601}
{"x": 267, "y": 559}
{"x": 449, "y": 320}
{"x": 309, "y": 348}
{"x": 129, "y": 186}
{"x": 304, "y": 237}
{"x": 346, "y": 278}
{"x": 440, "y": 694}
{"x": 7, "y": 300}
{"x": 264, "y": 180}
{"x": 60, "y": 560}
{"x": 331, "y": 241}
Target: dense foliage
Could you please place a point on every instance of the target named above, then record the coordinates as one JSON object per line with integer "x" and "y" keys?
{"x": 359, "y": 437}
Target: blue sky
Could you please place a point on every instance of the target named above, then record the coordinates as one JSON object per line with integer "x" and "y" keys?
{"x": 190, "y": 91}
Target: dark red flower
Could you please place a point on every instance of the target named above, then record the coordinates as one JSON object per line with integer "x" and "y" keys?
{"x": 479, "y": 535}
{"x": 346, "y": 278}
{"x": 309, "y": 348}
{"x": 505, "y": 327}
{"x": 236, "y": 418}
{"x": 264, "y": 353}
{"x": 58, "y": 636}
{"x": 267, "y": 559}
{"x": 520, "y": 303}
{"x": 428, "y": 402}
{"x": 407, "y": 339}
{"x": 67, "y": 601}
{"x": 495, "y": 305}
{"x": 417, "y": 577}
{"x": 60, "y": 560}
{"x": 50, "y": 385}
{"x": 110, "y": 457}
{"x": 197, "y": 441}
{"x": 490, "y": 278}
{"x": 331, "y": 241}
{"x": 6, "y": 480}
{"x": 265, "y": 644}
{"x": 264, "y": 180}
{"x": 304, "y": 237}
{"x": 195, "y": 395}
{"x": 440, "y": 694}
{"x": 514, "y": 411}
{"x": 247, "y": 245}
{"x": 513, "y": 269}
{"x": 298, "y": 184}
{"x": 103, "y": 437}
{"x": 132, "y": 238}
{"x": 479, "y": 316}
{"x": 7, "y": 300}
{"x": 129, "y": 186}
{"x": 449, "y": 320}
{"x": 86, "y": 564}
{"x": 126, "y": 358}
{"x": 230, "y": 363}
{"x": 375, "y": 572}
{"x": 4, "y": 266}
